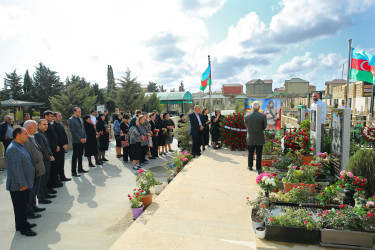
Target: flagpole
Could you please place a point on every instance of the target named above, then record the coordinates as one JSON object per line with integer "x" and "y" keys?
{"x": 209, "y": 64}
{"x": 347, "y": 77}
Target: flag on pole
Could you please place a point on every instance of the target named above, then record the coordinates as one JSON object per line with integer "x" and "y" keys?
{"x": 362, "y": 66}
{"x": 206, "y": 78}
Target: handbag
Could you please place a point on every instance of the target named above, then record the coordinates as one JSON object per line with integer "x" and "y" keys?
{"x": 150, "y": 145}
{"x": 125, "y": 142}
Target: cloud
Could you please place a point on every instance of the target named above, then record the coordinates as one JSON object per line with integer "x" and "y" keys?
{"x": 164, "y": 47}
{"x": 13, "y": 21}
{"x": 204, "y": 8}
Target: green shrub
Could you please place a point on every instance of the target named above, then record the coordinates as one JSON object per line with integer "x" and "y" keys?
{"x": 305, "y": 124}
{"x": 362, "y": 163}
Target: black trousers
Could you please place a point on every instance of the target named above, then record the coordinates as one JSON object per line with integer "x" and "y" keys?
{"x": 197, "y": 142}
{"x": 6, "y": 144}
{"x": 154, "y": 149}
{"x": 53, "y": 173}
{"x": 60, "y": 163}
{"x": 125, "y": 153}
{"x": 259, "y": 150}
{"x": 143, "y": 154}
{"x": 77, "y": 156}
{"x": 43, "y": 190}
{"x": 19, "y": 200}
{"x": 31, "y": 204}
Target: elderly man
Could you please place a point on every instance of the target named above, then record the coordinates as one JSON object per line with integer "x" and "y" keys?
{"x": 44, "y": 191}
{"x": 36, "y": 153}
{"x": 317, "y": 102}
{"x": 62, "y": 142}
{"x": 255, "y": 123}
{"x": 20, "y": 179}
{"x": 6, "y": 131}
{"x": 78, "y": 140}
{"x": 196, "y": 126}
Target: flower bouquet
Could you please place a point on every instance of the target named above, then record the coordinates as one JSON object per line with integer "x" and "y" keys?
{"x": 268, "y": 182}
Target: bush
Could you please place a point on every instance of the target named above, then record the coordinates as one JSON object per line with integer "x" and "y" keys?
{"x": 305, "y": 124}
{"x": 362, "y": 163}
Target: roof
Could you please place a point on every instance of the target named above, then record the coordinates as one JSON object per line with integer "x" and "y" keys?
{"x": 173, "y": 97}
{"x": 240, "y": 97}
{"x": 279, "y": 89}
{"x": 336, "y": 81}
{"x": 17, "y": 103}
{"x": 214, "y": 96}
{"x": 255, "y": 80}
{"x": 295, "y": 80}
{"x": 232, "y": 85}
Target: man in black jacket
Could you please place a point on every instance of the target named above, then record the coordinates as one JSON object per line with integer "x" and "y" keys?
{"x": 53, "y": 143}
{"x": 6, "y": 131}
{"x": 196, "y": 126}
{"x": 62, "y": 141}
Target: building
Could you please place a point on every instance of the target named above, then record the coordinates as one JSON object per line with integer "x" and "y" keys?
{"x": 259, "y": 88}
{"x": 330, "y": 84}
{"x": 232, "y": 89}
{"x": 359, "y": 96}
{"x": 312, "y": 88}
{"x": 296, "y": 87}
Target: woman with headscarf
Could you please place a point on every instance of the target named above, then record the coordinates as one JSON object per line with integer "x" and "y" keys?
{"x": 103, "y": 137}
{"x": 145, "y": 136}
{"x": 135, "y": 142}
{"x": 117, "y": 132}
{"x": 154, "y": 130}
{"x": 179, "y": 122}
{"x": 124, "y": 134}
{"x": 169, "y": 124}
{"x": 206, "y": 130}
{"x": 91, "y": 145}
{"x": 215, "y": 128}
{"x": 161, "y": 136}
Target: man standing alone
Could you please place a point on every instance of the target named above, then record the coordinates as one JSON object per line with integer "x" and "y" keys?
{"x": 255, "y": 123}
{"x": 196, "y": 126}
{"x": 78, "y": 140}
{"x": 20, "y": 179}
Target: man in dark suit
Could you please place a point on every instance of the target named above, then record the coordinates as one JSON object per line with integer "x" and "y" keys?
{"x": 6, "y": 131}
{"x": 26, "y": 117}
{"x": 44, "y": 192}
{"x": 20, "y": 179}
{"x": 196, "y": 126}
{"x": 255, "y": 123}
{"x": 62, "y": 140}
{"x": 53, "y": 143}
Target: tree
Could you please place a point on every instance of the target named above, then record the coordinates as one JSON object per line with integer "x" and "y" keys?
{"x": 13, "y": 86}
{"x": 172, "y": 90}
{"x": 153, "y": 103}
{"x": 95, "y": 90}
{"x": 73, "y": 95}
{"x": 240, "y": 106}
{"x": 181, "y": 88}
{"x": 46, "y": 84}
{"x": 152, "y": 87}
{"x": 130, "y": 96}
{"x": 81, "y": 81}
{"x": 28, "y": 88}
{"x": 111, "y": 84}
{"x": 162, "y": 89}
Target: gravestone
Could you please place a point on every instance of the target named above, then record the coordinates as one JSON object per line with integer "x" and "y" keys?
{"x": 340, "y": 146}
{"x": 301, "y": 114}
{"x": 316, "y": 127}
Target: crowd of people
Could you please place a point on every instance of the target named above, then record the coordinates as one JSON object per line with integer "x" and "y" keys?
{"x": 35, "y": 152}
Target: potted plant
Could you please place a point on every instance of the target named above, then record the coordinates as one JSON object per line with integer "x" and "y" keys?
{"x": 347, "y": 227}
{"x": 329, "y": 195}
{"x": 296, "y": 175}
{"x": 298, "y": 141}
{"x": 145, "y": 180}
{"x": 136, "y": 204}
{"x": 268, "y": 182}
{"x": 158, "y": 187}
{"x": 303, "y": 193}
{"x": 295, "y": 226}
{"x": 258, "y": 211}
{"x": 351, "y": 184}
{"x": 288, "y": 159}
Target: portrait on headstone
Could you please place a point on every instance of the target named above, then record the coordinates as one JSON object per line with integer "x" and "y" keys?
{"x": 313, "y": 121}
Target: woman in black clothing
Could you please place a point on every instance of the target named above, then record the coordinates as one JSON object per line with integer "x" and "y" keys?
{"x": 124, "y": 136}
{"x": 91, "y": 145}
{"x": 215, "y": 129}
{"x": 154, "y": 130}
{"x": 162, "y": 133}
{"x": 206, "y": 130}
{"x": 103, "y": 137}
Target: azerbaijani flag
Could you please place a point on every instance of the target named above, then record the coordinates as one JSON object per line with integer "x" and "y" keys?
{"x": 206, "y": 78}
{"x": 363, "y": 66}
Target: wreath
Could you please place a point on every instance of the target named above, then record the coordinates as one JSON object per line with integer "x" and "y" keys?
{"x": 233, "y": 132}
{"x": 368, "y": 133}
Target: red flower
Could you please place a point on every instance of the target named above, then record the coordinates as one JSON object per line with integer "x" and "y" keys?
{"x": 271, "y": 219}
{"x": 141, "y": 171}
{"x": 303, "y": 130}
{"x": 342, "y": 206}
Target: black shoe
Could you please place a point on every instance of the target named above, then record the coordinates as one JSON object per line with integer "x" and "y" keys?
{"x": 98, "y": 163}
{"x": 51, "y": 191}
{"x": 199, "y": 154}
{"x": 104, "y": 159}
{"x": 215, "y": 147}
{"x": 204, "y": 149}
{"x": 34, "y": 216}
{"x": 82, "y": 171}
{"x": 57, "y": 185}
{"x": 30, "y": 226}
{"x": 192, "y": 156}
{"x": 39, "y": 209}
{"x": 259, "y": 172}
{"x": 29, "y": 232}
{"x": 76, "y": 175}
{"x": 44, "y": 201}
{"x": 171, "y": 150}
{"x": 126, "y": 161}
{"x": 250, "y": 169}
{"x": 92, "y": 165}
{"x": 152, "y": 158}
{"x": 65, "y": 179}
{"x": 49, "y": 196}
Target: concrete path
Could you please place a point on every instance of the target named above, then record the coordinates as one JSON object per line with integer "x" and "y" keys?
{"x": 89, "y": 212}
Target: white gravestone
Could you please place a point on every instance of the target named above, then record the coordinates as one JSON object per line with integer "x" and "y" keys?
{"x": 340, "y": 146}
{"x": 316, "y": 127}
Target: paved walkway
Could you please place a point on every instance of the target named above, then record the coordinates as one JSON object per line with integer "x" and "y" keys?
{"x": 89, "y": 212}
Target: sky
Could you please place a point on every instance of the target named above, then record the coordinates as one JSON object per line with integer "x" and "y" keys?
{"x": 168, "y": 41}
